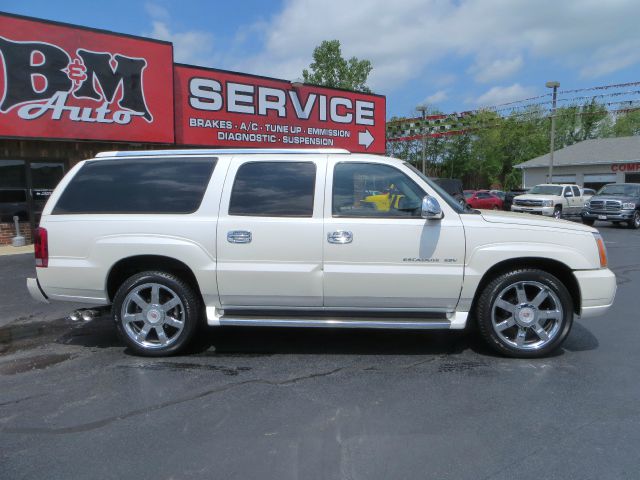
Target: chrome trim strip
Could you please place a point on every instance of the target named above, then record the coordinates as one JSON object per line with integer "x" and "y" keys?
{"x": 266, "y": 308}
{"x": 334, "y": 323}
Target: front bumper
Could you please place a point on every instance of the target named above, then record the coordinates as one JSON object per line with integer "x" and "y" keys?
{"x": 546, "y": 211}
{"x": 597, "y": 291}
{"x": 618, "y": 216}
{"x": 36, "y": 291}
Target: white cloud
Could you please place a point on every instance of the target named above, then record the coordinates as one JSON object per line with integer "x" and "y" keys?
{"x": 405, "y": 40}
{"x": 439, "y": 96}
{"x": 497, "y": 95}
{"x": 491, "y": 70}
{"x": 192, "y": 47}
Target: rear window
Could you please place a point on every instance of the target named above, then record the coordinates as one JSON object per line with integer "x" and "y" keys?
{"x": 147, "y": 185}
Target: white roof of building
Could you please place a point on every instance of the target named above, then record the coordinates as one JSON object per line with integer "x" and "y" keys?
{"x": 591, "y": 152}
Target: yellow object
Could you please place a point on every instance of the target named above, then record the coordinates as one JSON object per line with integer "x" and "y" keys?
{"x": 384, "y": 201}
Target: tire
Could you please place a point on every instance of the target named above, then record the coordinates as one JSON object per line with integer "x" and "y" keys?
{"x": 557, "y": 212}
{"x": 495, "y": 207}
{"x": 588, "y": 221}
{"x": 506, "y": 310}
{"x": 160, "y": 326}
{"x": 634, "y": 223}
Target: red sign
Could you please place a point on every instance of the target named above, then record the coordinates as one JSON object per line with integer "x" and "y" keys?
{"x": 625, "y": 167}
{"x": 63, "y": 81}
{"x": 227, "y": 109}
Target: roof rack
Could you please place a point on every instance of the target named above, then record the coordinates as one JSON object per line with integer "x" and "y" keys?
{"x": 218, "y": 151}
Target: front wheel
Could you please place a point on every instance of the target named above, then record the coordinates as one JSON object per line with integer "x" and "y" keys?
{"x": 635, "y": 220}
{"x": 525, "y": 313}
{"x": 557, "y": 212}
{"x": 156, "y": 313}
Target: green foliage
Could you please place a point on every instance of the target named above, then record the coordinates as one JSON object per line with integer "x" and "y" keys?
{"x": 330, "y": 69}
{"x": 484, "y": 155}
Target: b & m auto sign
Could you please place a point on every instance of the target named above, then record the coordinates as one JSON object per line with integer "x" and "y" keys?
{"x": 62, "y": 81}
{"x": 227, "y": 109}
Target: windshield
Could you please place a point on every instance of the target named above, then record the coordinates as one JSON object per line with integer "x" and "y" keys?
{"x": 468, "y": 194}
{"x": 547, "y": 190}
{"x": 452, "y": 202}
{"x": 617, "y": 189}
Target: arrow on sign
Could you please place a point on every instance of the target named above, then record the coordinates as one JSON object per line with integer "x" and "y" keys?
{"x": 365, "y": 138}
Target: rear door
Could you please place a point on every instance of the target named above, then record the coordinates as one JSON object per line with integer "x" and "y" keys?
{"x": 270, "y": 229}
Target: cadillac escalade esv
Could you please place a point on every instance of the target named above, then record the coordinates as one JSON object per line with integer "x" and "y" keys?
{"x": 306, "y": 238}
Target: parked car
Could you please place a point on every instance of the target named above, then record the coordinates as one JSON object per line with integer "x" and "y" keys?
{"x": 510, "y": 195}
{"x": 484, "y": 200}
{"x": 453, "y": 186}
{"x": 550, "y": 200}
{"x": 170, "y": 239}
{"x": 587, "y": 193}
{"x": 498, "y": 193}
{"x": 616, "y": 202}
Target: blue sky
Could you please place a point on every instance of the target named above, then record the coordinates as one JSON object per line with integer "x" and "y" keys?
{"x": 455, "y": 55}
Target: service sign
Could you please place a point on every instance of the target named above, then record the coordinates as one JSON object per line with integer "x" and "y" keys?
{"x": 63, "y": 81}
{"x": 228, "y": 109}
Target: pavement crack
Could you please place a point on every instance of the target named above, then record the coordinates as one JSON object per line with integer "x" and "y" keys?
{"x": 85, "y": 427}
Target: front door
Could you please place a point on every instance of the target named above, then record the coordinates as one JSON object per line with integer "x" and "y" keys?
{"x": 269, "y": 234}
{"x": 378, "y": 251}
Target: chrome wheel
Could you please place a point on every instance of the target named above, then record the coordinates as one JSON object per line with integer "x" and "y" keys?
{"x": 152, "y": 315}
{"x": 635, "y": 223}
{"x": 557, "y": 213}
{"x": 527, "y": 315}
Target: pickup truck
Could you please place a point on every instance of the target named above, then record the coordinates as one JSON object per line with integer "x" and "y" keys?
{"x": 550, "y": 200}
{"x": 171, "y": 239}
{"x": 616, "y": 202}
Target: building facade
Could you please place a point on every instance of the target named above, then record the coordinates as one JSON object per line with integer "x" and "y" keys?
{"x": 590, "y": 164}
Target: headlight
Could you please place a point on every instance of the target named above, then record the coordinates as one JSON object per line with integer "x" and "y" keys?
{"x": 547, "y": 203}
{"x": 629, "y": 206}
{"x": 602, "y": 250}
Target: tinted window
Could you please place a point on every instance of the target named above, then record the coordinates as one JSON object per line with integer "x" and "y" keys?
{"x": 373, "y": 190}
{"x": 150, "y": 185}
{"x": 274, "y": 189}
{"x": 576, "y": 191}
{"x": 483, "y": 195}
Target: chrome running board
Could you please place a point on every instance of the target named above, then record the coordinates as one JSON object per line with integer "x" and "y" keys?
{"x": 399, "y": 323}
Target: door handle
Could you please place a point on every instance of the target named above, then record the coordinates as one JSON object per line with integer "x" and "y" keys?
{"x": 340, "y": 237}
{"x": 239, "y": 236}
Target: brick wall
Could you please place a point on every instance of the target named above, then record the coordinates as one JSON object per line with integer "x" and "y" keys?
{"x": 8, "y": 231}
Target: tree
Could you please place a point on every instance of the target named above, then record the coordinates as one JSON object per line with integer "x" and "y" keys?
{"x": 330, "y": 69}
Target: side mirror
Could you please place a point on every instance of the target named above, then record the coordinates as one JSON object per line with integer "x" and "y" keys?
{"x": 568, "y": 193}
{"x": 431, "y": 208}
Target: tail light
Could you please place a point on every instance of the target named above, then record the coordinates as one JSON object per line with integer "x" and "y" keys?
{"x": 41, "y": 247}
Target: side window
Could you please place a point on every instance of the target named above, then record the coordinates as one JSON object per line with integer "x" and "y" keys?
{"x": 576, "y": 191}
{"x": 138, "y": 185}
{"x": 374, "y": 190}
{"x": 273, "y": 189}
{"x": 566, "y": 191}
{"x": 483, "y": 195}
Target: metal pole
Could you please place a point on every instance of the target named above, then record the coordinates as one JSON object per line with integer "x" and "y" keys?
{"x": 423, "y": 110}
{"x": 555, "y": 86}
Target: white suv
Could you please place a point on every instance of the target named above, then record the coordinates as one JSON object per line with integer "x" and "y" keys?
{"x": 306, "y": 238}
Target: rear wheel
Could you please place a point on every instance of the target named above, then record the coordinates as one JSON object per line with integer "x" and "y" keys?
{"x": 525, "y": 313}
{"x": 557, "y": 212}
{"x": 635, "y": 220}
{"x": 156, "y": 313}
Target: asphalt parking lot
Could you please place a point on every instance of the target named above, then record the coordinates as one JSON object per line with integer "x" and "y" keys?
{"x": 306, "y": 404}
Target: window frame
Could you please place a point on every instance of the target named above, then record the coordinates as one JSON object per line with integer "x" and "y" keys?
{"x": 262, "y": 162}
{"x": 333, "y": 183}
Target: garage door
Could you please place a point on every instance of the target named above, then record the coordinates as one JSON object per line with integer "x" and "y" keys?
{"x": 564, "y": 179}
{"x": 599, "y": 178}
